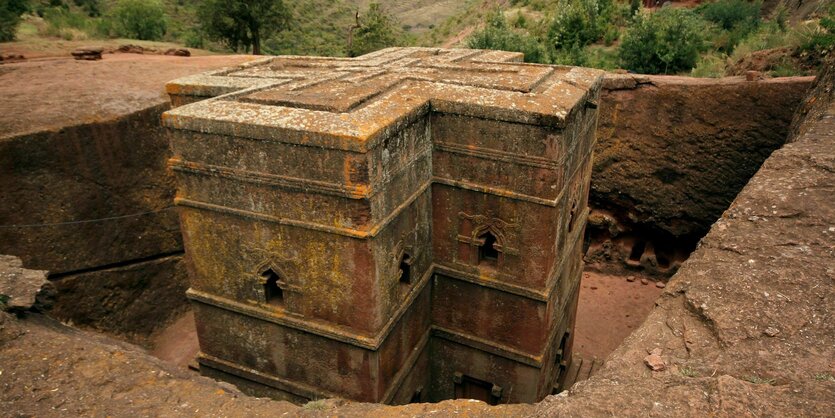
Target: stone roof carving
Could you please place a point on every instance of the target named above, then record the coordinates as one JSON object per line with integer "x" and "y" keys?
{"x": 347, "y": 103}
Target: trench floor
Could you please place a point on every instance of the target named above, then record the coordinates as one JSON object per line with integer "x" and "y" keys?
{"x": 610, "y": 308}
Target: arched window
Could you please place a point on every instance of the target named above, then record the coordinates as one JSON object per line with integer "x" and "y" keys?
{"x": 487, "y": 250}
{"x": 273, "y": 293}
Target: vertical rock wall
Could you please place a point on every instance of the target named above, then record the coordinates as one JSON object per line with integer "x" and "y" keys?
{"x": 672, "y": 153}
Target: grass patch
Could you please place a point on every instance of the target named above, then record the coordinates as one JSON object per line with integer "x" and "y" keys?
{"x": 824, "y": 377}
{"x": 689, "y": 372}
{"x": 757, "y": 380}
{"x": 319, "y": 405}
{"x": 712, "y": 65}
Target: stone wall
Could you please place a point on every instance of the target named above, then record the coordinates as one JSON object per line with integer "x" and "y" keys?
{"x": 85, "y": 191}
{"x": 93, "y": 206}
{"x": 671, "y": 155}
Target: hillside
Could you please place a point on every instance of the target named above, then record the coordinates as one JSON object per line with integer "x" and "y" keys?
{"x": 792, "y": 43}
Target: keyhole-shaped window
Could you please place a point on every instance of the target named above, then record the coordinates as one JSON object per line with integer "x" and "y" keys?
{"x": 487, "y": 250}
{"x": 273, "y": 293}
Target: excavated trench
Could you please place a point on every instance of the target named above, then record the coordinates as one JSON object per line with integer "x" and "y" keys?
{"x": 707, "y": 140}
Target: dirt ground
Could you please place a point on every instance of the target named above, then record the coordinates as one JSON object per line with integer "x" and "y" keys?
{"x": 610, "y": 308}
{"x": 177, "y": 343}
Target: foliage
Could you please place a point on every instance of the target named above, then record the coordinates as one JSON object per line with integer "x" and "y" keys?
{"x": 711, "y": 65}
{"x": 193, "y": 39}
{"x": 90, "y": 7}
{"x": 735, "y": 20}
{"x": 66, "y": 24}
{"x": 377, "y": 30}
{"x": 768, "y": 36}
{"x": 139, "y": 19}
{"x": 242, "y": 24}
{"x": 579, "y": 22}
{"x": 315, "y": 29}
{"x": 612, "y": 34}
{"x": 729, "y": 14}
{"x": 10, "y": 12}
{"x": 571, "y": 55}
{"x": 605, "y": 58}
{"x": 820, "y": 40}
{"x": 496, "y": 34}
{"x": 635, "y": 7}
{"x": 667, "y": 41}
{"x": 780, "y": 16}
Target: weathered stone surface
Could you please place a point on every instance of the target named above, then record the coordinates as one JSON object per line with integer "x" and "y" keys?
{"x": 816, "y": 104}
{"x": 406, "y": 207}
{"x": 83, "y": 177}
{"x": 672, "y": 154}
{"x": 674, "y": 151}
{"x": 91, "y": 151}
{"x": 130, "y": 301}
{"x": 90, "y": 53}
{"x": 180, "y": 52}
{"x": 19, "y": 286}
{"x": 59, "y": 93}
{"x": 89, "y": 195}
{"x": 50, "y": 370}
{"x": 655, "y": 362}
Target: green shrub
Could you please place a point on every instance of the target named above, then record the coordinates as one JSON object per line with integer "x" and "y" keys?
{"x": 90, "y": 7}
{"x": 601, "y": 57}
{"x": 710, "y": 66}
{"x": 67, "y": 24}
{"x": 768, "y": 36}
{"x": 820, "y": 39}
{"x": 10, "y": 11}
{"x": 139, "y": 19}
{"x": 579, "y": 22}
{"x": 667, "y": 41}
{"x": 611, "y": 35}
{"x": 635, "y": 7}
{"x": 735, "y": 19}
{"x": 729, "y": 14}
{"x": 572, "y": 55}
{"x": 498, "y": 35}
{"x": 377, "y": 30}
{"x": 780, "y": 16}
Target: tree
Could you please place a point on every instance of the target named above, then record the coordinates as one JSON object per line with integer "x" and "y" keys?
{"x": 376, "y": 30}
{"x": 10, "y": 11}
{"x": 667, "y": 41}
{"x": 139, "y": 19}
{"x": 242, "y": 24}
{"x": 578, "y": 23}
{"x": 496, "y": 34}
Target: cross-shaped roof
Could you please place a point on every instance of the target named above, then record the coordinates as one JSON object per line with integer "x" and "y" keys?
{"x": 348, "y": 102}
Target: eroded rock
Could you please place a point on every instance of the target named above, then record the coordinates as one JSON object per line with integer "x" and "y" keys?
{"x": 89, "y": 53}
{"x": 19, "y": 286}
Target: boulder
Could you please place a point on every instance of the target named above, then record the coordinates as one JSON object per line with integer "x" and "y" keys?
{"x": 19, "y": 287}
{"x": 180, "y": 52}
{"x": 91, "y": 53}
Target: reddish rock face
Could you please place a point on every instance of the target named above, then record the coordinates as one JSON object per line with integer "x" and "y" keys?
{"x": 402, "y": 226}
